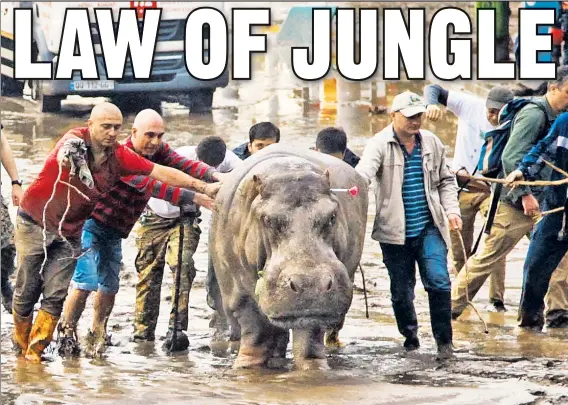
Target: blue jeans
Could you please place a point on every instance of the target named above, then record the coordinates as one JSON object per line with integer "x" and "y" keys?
{"x": 544, "y": 254}
{"x": 99, "y": 267}
{"x": 430, "y": 252}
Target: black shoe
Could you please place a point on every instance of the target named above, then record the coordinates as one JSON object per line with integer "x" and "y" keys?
{"x": 181, "y": 343}
{"x": 140, "y": 339}
{"x": 445, "y": 352}
{"x": 557, "y": 318}
{"x": 496, "y": 306}
{"x": 411, "y": 344}
{"x": 558, "y": 323}
{"x": 534, "y": 322}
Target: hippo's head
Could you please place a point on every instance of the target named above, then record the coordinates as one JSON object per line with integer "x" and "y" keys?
{"x": 303, "y": 235}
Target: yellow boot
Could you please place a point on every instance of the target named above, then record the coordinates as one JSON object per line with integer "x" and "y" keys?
{"x": 22, "y": 328}
{"x": 41, "y": 335}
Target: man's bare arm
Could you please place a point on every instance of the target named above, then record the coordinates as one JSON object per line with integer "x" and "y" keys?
{"x": 8, "y": 159}
{"x": 177, "y": 178}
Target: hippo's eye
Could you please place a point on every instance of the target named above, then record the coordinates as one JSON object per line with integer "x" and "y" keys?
{"x": 331, "y": 220}
{"x": 328, "y": 223}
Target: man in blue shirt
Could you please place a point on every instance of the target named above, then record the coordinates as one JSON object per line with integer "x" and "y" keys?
{"x": 416, "y": 196}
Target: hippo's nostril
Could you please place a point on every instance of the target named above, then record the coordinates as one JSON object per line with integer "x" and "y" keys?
{"x": 293, "y": 286}
{"x": 329, "y": 284}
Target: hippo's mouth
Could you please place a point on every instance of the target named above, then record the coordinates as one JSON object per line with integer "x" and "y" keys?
{"x": 308, "y": 320}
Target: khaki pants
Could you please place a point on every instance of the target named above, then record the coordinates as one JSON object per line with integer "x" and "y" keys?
{"x": 158, "y": 242}
{"x": 557, "y": 296}
{"x": 472, "y": 202}
{"x": 53, "y": 283}
{"x": 509, "y": 227}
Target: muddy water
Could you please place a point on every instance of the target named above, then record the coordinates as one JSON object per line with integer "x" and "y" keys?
{"x": 505, "y": 366}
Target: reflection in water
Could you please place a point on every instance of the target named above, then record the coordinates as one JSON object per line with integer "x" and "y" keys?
{"x": 367, "y": 370}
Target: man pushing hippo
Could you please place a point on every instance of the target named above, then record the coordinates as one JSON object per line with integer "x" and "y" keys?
{"x": 415, "y": 195}
{"x": 53, "y": 211}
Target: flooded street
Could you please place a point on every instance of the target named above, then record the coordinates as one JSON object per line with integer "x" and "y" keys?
{"x": 504, "y": 366}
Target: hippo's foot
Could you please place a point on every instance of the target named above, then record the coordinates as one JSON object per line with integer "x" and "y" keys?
{"x": 251, "y": 357}
{"x": 281, "y": 344}
{"x": 309, "y": 351}
{"x": 312, "y": 364}
{"x": 332, "y": 339}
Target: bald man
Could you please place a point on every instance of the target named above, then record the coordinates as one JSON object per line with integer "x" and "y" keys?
{"x": 62, "y": 223}
{"x": 111, "y": 221}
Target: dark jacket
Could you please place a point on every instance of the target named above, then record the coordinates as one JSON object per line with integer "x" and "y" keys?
{"x": 242, "y": 151}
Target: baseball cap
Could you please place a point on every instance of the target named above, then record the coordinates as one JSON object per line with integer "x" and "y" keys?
{"x": 408, "y": 104}
{"x": 498, "y": 97}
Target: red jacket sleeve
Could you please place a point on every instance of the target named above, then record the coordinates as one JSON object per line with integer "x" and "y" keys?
{"x": 132, "y": 163}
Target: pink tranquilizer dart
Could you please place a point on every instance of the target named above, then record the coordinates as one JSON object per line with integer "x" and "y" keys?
{"x": 354, "y": 191}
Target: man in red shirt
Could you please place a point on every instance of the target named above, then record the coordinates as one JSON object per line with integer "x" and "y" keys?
{"x": 111, "y": 221}
{"x": 52, "y": 214}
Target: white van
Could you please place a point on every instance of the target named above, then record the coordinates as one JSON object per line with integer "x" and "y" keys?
{"x": 169, "y": 74}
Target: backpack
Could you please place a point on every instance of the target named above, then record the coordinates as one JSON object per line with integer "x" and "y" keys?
{"x": 489, "y": 164}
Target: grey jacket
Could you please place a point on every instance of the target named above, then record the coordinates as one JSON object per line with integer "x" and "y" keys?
{"x": 383, "y": 160}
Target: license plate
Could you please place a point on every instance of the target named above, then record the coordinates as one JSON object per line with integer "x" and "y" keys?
{"x": 91, "y": 85}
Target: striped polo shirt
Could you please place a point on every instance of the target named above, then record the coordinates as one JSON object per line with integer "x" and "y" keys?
{"x": 417, "y": 213}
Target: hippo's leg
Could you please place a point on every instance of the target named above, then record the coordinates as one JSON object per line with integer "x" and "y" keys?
{"x": 309, "y": 350}
{"x": 257, "y": 336}
{"x": 332, "y": 336}
{"x": 219, "y": 320}
{"x": 281, "y": 343}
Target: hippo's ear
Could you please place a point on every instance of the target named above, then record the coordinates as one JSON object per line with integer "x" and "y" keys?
{"x": 257, "y": 181}
{"x": 325, "y": 176}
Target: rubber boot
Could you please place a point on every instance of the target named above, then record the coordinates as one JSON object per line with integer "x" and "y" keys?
{"x": 22, "y": 328}
{"x": 441, "y": 321}
{"x": 41, "y": 335}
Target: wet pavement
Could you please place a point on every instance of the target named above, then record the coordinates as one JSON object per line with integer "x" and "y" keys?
{"x": 504, "y": 366}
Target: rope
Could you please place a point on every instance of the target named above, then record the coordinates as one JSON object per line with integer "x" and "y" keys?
{"x": 44, "y": 217}
{"x": 538, "y": 183}
{"x": 60, "y": 225}
{"x": 364, "y": 291}
{"x": 467, "y": 282}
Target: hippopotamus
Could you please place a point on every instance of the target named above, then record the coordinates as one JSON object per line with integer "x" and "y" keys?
{"x": 284, "y": 249}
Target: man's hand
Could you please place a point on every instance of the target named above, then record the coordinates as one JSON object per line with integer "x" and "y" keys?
{"x": 17, "y": 194}
{"x": 211, "y": 189}
{"x": 433, "y": 112}
{"x": 204, "y": 201}
{"x": 63, "y": 160}
{"x": 220, "y": 177}
{"x": 455, "y": 222}
{"x": 515, "y": 175}
{"x": 530, "y": 205}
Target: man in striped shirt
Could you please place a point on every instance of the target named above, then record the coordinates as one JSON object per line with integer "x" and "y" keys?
{"x": 416, "y": 196}
{"x": 112, "y": 220}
